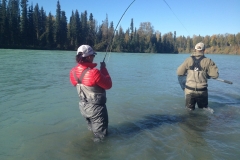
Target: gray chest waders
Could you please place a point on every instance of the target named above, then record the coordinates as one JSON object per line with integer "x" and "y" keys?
{"x": 95, "y": 111}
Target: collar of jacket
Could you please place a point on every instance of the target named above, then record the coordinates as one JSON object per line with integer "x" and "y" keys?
{"x": 197, "y": 54}
{"x": 86, "y": 64}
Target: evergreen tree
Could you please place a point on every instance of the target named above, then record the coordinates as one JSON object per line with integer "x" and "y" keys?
{"x": 159, "y": 42}
{"x": 153, "y": 42}
{"x": 37, "y": 21}
{"x": 57, "y": 26}
{"x": 91, "y": 34}
{"x": 99, "y": 34}
{"x": 104, "y": 28}
{"x": 189, "y": 44}
{"x": 31, "y": 34}
{"x": 14, "y": 22}
{"x": 131, "y": 29}
{"x": 77, "y": 30}
{"x": 131, "y": 42}
{"x": 64, "y": 31}
{"x": 175, "y": 43}
{"x": 121, "y": 36}
{"x": 111, "y": 35}
{"x": 4, "y": 25}
{"x": 1, "y": 23}
{"x": 126, "y": 40}
{"x": 85, "y": 30}
{"x": 74, "y": 30}
{"x": 24, "y": 23}
{"x": 42, "y": 28}
{"x": 50, "y": 31}
{"x": 136, "y": 41}
{"x": 70, "y": 31}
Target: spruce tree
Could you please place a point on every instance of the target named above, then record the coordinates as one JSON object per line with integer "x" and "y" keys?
{"x": 42, "y": 28}
{"x": 84, "y": 30}
{"x": 32, "y": 36}
{"x": 14, "y": 22}
{"x": 36, "y": 21}
{"x": 50, "y": 31}
{"x": 24, "y": 23}
{"x": 4, "y": 25}
{"x": 64, "y": 31}
{"x": 71, "y": 31}
{"x": 91, "y": 32}
{"x": 57, "y": 26}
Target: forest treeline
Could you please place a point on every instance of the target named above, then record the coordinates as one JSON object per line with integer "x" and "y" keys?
{"x": 24, "y": 26}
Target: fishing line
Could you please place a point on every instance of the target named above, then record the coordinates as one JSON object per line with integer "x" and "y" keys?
{"x": 112, "y": 39}
{"x": 110, "y": 44}
{"x": 176, "y": 16}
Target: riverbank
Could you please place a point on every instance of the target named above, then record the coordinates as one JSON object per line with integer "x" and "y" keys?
{"x": 217, "y": 50}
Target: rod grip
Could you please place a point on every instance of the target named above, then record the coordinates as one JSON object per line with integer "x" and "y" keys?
{"x": 229, "y": 82}
{"x": 225, "y": 81}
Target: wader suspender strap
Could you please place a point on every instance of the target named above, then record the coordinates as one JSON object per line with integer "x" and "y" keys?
{"x": 196, "y": 63}
{"x": 79, "y": 80}
{"x": 196, "y": 67}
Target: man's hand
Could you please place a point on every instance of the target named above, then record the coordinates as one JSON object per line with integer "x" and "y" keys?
{"x": 102, "y": 65}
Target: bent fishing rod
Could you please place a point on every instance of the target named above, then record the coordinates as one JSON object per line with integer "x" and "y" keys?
{"x": 111, "y": 40}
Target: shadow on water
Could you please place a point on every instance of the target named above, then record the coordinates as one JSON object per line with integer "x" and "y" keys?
{"x": 148, "y": 122}
{"x": 121, "y": 135}
{"x": 192, "y": 127}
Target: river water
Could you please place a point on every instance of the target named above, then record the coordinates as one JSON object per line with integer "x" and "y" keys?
{"x": 40, "y": 118}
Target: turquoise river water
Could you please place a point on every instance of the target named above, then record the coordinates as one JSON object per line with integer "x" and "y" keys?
{"x": 40, "y": 118}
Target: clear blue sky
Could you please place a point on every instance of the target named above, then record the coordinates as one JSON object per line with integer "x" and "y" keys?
{"x": 186, "y": 17}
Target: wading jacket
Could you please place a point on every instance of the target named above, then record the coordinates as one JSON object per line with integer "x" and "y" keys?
{"x": 197, "y": 77}
{"x": 91, "y": 87}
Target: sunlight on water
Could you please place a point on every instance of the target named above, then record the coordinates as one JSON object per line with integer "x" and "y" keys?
{"x": 40, "y": 118}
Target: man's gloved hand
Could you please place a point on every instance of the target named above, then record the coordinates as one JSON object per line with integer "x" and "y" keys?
{"x": 102, "y": 65}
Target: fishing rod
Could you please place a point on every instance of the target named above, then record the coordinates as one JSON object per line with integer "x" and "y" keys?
{"x": 222, "y": 80}
{"x": 110, "y": 44}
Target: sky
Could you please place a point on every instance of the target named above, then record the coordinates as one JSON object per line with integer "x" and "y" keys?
{"x": 186, "y": 17}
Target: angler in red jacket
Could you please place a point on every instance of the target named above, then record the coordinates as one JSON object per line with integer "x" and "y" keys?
{"x": 91, "y": 84}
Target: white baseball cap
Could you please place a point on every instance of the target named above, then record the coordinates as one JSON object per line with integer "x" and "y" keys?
{"x": 200, "y": 46}
{"x": 86, "y": 50}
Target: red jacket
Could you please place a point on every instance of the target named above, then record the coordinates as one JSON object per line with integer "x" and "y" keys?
{"x": 92, "y": 77}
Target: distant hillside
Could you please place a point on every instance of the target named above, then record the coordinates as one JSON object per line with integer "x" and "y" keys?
{"x": 217, "y": 50}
